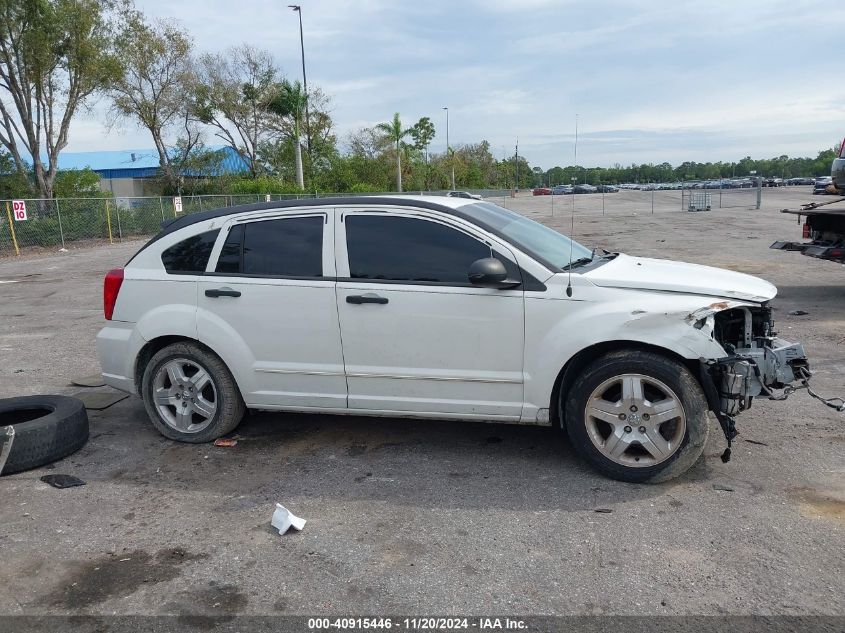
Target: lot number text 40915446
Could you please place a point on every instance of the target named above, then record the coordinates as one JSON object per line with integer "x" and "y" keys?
{"x": 418, "y": 624}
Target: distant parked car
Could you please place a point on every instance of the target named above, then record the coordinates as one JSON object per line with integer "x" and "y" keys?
{"x": 584, "y": 188}
{"x": 821, "y": 184}
{"x": 837, "y": 171}
{"x": 560, "y": 190}
{"x": 607, "y": 188}
{"x": 542, "y": 191}
{"x": 464, "y": 194}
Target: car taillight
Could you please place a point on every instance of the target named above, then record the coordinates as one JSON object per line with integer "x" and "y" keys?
{"x": 111, "y": 286}
{"x": 805, "y": 230}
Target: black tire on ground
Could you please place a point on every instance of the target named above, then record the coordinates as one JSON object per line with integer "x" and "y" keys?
{"x": 670, "y": 372}
{"x": 47, "y": 428}
{"x": 230, "y": 407}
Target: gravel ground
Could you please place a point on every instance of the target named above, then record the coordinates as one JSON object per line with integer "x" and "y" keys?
{"x": 432, "y": 517}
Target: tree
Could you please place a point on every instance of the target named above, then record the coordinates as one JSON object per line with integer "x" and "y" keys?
{"x": 234, "y": 95}
{"x": 423, "y": 133}
{"x": 78, "y": 183}
{"x": 367, "y": 143}
{"x": 290, "y": 102}
{"x": 54, "y": 55}
{"x": 13, "y": 183}
{"x": 367, "y": 162}
{"x": 278, "y": 154}
{"x": 157, "y": 75}
{"x": 395, "y": 133}
{"x": 194, "y": 165}
{"x": 319, "y": 132}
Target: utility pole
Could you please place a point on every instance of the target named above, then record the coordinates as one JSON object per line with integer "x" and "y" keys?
{"x": 298, "y": 9}
{"x": 449, "y": 148}
{"x": 516, "y": 184}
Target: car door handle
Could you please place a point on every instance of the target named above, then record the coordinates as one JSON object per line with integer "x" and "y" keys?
{"x": 367, "y": 298}
{"x": 222, "y": 292}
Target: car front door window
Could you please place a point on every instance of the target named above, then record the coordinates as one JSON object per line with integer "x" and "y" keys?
{"x": 412, "y": 250}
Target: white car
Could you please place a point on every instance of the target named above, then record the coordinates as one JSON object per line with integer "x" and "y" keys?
{"x": 464, "y": 194}
{"x": 434, "y": 307}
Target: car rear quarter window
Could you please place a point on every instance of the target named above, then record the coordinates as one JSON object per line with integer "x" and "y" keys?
{"x": 286, "y": 247}
{"x": 190, "y": 256}
{"x": 409, "y": 249}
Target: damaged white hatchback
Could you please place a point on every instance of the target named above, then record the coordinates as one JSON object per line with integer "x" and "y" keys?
{"x": 441, "y": 308}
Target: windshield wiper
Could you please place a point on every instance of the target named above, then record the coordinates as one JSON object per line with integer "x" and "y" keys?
{"x": 581, "y": 261}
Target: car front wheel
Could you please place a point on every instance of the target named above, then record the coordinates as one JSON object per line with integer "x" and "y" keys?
{"x": 190, "y": 395}
{"x": 637, "y": 416}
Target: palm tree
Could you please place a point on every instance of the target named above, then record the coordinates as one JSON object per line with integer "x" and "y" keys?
{"x": 394, "y": 131}
{"x": 291, "y": 101}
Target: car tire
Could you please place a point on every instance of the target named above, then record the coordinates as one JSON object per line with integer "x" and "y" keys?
{"x": 653, "y": 452}
{"x": 47, "y": 428}
{"x": 198, "y": 422}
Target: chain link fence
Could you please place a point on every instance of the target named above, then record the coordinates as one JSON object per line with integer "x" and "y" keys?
{"x": 82, "y": 221}
{"x": 75, "y": 222}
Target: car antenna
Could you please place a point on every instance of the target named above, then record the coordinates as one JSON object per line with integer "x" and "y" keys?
{"x": 572, "y": 222}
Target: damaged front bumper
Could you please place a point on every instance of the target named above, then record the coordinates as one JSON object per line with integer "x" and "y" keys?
{"x": 756, "y": 371}
{"x": 757, "y": 363}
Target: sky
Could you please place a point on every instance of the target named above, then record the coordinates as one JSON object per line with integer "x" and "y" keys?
{"x": 649, "y": 80}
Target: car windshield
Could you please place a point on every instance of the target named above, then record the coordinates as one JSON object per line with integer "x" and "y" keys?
{"x": 532, "y": 237}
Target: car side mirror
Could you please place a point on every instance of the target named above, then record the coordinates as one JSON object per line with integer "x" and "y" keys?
{"x": 490, "y": 272}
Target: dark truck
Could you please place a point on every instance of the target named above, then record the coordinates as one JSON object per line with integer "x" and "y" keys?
{"x": 824, "y": 223}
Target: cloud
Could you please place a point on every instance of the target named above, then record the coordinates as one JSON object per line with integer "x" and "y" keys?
{"x": 651, "y": 79}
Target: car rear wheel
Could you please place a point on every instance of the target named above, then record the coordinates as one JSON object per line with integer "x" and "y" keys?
{"x": 190, "y": 394}
{"x": 637, "y": 416}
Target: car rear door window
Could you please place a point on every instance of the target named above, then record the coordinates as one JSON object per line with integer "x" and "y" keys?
{"x": 286, "y": 247}
{"x": 190, "y": 256}
{"x": 409, "y": 249}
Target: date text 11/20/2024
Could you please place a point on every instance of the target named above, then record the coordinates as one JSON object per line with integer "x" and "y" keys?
{"x": 418, "y": 624}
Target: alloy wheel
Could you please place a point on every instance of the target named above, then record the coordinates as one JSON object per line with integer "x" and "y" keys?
{"x": 635, "y": 420}
{"x": 184, "y": 395}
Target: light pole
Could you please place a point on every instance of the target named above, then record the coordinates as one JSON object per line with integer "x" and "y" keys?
{"x": 603, "y": 187}
{"x": 298, "y": 9}
{"x": 448, "y": 148}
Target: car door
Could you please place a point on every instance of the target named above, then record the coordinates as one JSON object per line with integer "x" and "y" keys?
{"x": 418, "y": 338}
{"x": 267, "y": 301}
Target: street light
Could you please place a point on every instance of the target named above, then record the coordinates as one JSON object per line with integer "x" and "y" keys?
{"x": 298, "y": 9}
{"x": 451, "y": 159}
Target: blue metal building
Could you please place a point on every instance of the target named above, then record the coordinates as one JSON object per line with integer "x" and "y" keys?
{"x": 133, "y": 172}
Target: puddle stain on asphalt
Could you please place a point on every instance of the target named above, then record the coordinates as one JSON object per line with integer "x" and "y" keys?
{"x": 116, "y": 576}
{"x": 211, "y": 604}
{"x": 815, "y": 503}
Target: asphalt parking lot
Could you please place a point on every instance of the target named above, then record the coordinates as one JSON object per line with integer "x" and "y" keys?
{"x": 432, "y": 517}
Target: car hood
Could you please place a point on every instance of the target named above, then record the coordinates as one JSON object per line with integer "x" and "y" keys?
{"x": 666, "y": 275}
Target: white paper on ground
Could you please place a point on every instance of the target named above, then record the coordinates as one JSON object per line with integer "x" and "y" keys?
{"x": 283, "y": 520}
